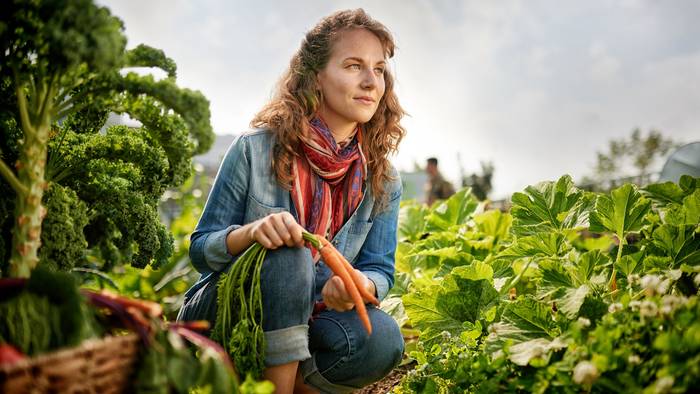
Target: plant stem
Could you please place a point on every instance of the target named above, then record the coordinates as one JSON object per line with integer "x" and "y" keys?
{"x": 25, "y": 120}
{"x": 29, "y": 212}
{"x": 310, "y": 238}
{"x": 11, "y": 178}
{"x": 617, "y": 260}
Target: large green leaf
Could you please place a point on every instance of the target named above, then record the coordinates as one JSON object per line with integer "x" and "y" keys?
{"x": 412, "y": 221}
{"x": 548, "y": 206}
{"x": 464, "y": 295}
{"x": 621, "y": 212}
{"x": 689, "y": 184}
{"x": 539, "y": 245}
{"x": 447, "y": 265}
{"x": 468, "y": 292}
{"x": 691, "y": 209}
{"x": 456, "y": 210}
{"x": 691, "y": 205}
{"x": 629, "y": 264}
{"x": 685, "y": 212}
{"x": 475, "y": 271}
{"x": 657, "y": 263}
{"x": 554, "y": 274}
{"x": 680, "y": 243}
{"x": 586, "y": 265}
{"x": 494, "y": 223}
{"x": 572, "y": 300}
{"x": 425, "y": 315}
{"x": 665, "y": 193}
{"x": 534, "y": 318}
{"x": 429, "y": 253}
{"x": 522, "y": 353}
{"x": 522, "y": 320}
{"x": 601, "y": 243}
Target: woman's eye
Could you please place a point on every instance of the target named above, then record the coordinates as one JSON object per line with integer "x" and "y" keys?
{"x": 354, "y": 66}
{"x": 379, "y": 70}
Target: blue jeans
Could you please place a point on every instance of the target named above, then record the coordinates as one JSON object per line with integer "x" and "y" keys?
{"x": 335, "y": 353}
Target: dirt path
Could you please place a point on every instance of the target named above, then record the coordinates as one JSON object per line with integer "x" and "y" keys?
{"x": 385, "y": 385}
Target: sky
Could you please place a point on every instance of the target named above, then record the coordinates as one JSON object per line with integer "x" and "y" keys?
{"x": 535, "y": 87}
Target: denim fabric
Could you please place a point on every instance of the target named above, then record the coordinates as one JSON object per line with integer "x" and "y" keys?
{"x": 287, "y": 289}
{"x": 345, "y": 358}
{"x": 245, "y": 189}
{"x": 337, "y": 354}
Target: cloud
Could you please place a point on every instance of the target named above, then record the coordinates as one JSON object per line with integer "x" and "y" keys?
{"x": 535, "y": 87}
{"x": 604, "y": 66}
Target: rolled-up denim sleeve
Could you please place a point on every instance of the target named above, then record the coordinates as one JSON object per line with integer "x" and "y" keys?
{"x": 376, "y": 258}
{"x": 223, "y": 211}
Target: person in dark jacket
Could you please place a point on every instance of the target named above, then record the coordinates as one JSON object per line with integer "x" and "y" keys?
{"x": 437, "y": 187}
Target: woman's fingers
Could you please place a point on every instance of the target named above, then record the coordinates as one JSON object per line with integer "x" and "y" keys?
{"x": 335, "y": 296}
{"x": 278, "y": 229}
{"x": 279, "y": 223}
{"x": 289, "y": 230}
{"x": 272, "y": 234}
{"x": 266, "y": 234}
{"x": 296, "y": 231}
{"x": 260, "y": 236}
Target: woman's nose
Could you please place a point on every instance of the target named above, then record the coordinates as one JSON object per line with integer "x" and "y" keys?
{"x": 369, "y": 80}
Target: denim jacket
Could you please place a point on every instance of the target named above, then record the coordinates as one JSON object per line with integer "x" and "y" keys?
{"x": 246, "y": 189}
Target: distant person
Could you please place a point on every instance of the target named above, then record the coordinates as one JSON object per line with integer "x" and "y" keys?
{"x": 437, "y": 187}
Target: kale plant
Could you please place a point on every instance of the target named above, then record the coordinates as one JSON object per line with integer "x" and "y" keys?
{"x": 73, "y": 189}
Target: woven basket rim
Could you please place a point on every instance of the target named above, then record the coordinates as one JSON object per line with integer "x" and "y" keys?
{"x": 87, "y": 345}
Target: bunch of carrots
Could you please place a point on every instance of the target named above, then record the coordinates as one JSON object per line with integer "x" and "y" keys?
{"x": 352, "y": 279}
{"x": 239, "y": 315}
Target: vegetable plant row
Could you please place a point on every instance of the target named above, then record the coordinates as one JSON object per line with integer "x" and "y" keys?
{"x": 571, "y": 291}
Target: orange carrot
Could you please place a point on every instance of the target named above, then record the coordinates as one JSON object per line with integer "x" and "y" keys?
{"x": 357, "y": 278}
{"x": 336, "y": 265}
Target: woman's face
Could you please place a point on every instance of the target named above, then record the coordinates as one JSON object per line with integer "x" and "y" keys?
{"x": 352, "y": 82}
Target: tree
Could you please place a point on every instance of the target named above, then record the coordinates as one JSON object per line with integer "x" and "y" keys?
{"x": 632, "y": 157}
{"x": 480, "y": 183}
{"x": 63, "y": 69}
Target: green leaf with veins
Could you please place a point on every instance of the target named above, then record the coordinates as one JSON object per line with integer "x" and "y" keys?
{"x": 621, "y": 212}
{"x": 463, "y": 295}
{"x": 495, "y": 224}
{"x": 680, "y": 243}
{"x": 572, "y": 300}
{"x": 412, "y": 221}
{"x": 545, "y": 244}
{"x": 522, "y": 320}
{"x": 548, "y": 206}
{"x": 456, "y": 210}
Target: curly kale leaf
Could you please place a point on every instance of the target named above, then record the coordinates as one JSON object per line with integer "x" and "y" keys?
{"x": 62, "y": 235}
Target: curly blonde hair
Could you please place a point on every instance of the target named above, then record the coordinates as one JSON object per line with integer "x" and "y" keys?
{"x": 298, "y": 97}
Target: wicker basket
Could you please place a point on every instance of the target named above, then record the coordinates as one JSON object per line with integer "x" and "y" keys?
{"x": 96, "y": 366}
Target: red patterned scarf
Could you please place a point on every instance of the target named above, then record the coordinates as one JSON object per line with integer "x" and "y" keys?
{"x": 327, "y": 179}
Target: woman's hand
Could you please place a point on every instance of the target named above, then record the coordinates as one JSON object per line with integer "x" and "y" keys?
{"x": 276, "y": 230}
{"x": 336, "y": 297}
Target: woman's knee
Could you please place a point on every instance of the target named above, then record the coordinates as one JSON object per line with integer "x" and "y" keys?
{"x": 286, "y": 285}
{"x": 286, "y": 267}
{"x": 386, "y": 342}
{"x": 353, "y": 358}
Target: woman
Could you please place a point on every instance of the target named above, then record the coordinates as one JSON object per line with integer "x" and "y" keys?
{"x": 318, "y": 160}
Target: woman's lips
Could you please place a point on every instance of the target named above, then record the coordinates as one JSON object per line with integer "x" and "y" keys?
{"x": 365, "y": 100}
